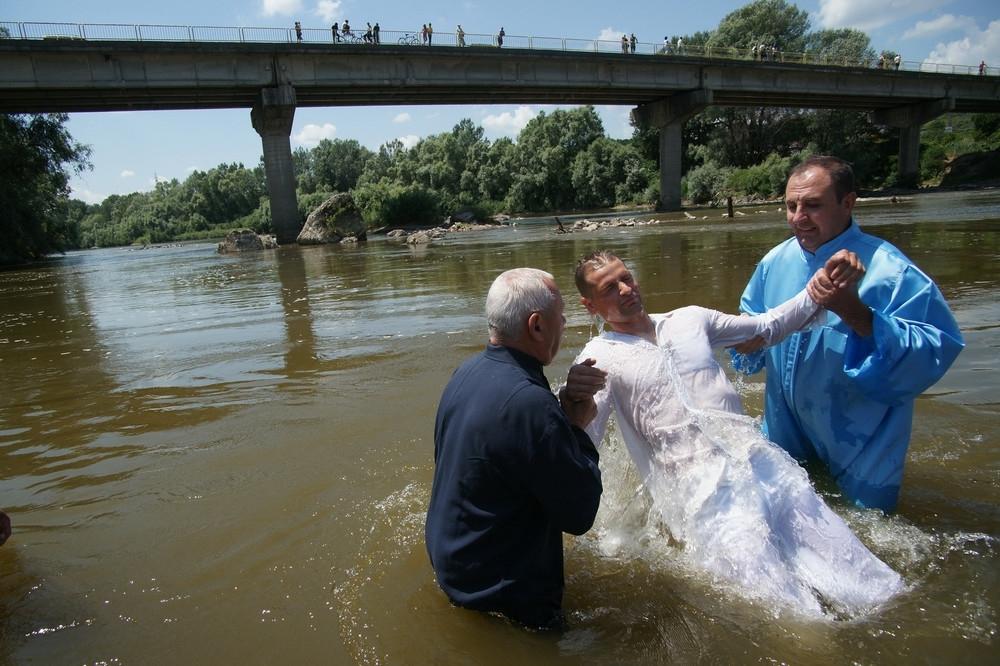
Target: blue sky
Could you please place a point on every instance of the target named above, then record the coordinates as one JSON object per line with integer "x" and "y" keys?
{"x": 131, "y": 149}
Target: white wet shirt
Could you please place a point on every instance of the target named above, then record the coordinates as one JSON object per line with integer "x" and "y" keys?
{"x": 741, "y": 508}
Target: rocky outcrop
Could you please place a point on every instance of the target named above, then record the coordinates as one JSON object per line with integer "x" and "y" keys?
{"x": 973, "y": 168}
{"x": 246, "y": 240}
{"x": 336, "y": 220}
{"x": 419, "y": 238}
{"x": 426, "y": 235}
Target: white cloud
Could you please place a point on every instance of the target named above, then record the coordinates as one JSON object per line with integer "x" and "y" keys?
{"x": 976, "y": 46}
{"x": 943, "y": 23}
{"x": 191, "y": 169}
{"x": 283, "y": 7}
{"x": 311, "y": 134}
{"x": 867, "y": 15}
{"x": 328, "y": 10}
{"x": 610, "y": 35}
{"x": 127, "y": 173}
{"x": 616, "y": 120}
{"x": 508, "y": 123}
{"x": 409, "y": 140}
{"x": 89, "y": 196}
{"x": 401, "y": 118}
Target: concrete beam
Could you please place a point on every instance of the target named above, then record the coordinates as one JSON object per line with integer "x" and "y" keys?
{"x": 676, "y": 108}
{"x": 913, "y": 114}
{"x": 669, "y": 116}
{"x": 272, "y": 116}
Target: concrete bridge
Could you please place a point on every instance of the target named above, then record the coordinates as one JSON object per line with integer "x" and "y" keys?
{"x": 272, "y": 79}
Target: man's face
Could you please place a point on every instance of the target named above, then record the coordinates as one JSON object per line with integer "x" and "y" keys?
{"x": 553, "y": 324}
{"x": 613, "y": 293}
{"x": 812, "y": 209}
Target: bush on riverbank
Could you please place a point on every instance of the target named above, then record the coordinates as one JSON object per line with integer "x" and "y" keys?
{"x": 712, "y": 184}
{"x": 395, "y": 205}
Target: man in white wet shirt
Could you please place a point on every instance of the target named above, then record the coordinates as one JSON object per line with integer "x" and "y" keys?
{"x": 741, "y": 508}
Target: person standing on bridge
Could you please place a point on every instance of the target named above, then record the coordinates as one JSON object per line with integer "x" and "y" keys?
{"x": 896, "y": 61}
{"x": 298, "y": 31}
{"x": 632, "y": 42}
{"x": 376, "y": 33}
{"x": 346, "y": 30}
{"x": 500, "y": 36}
{"x": 982, "y": 68}
{"x": 335, "y": 31}
{"x": 460, "y": 35}
{"x": 843, "y": 394}
{"x": 423, "y": 34}
{"x": 430, "y": 34}
{"x": 624, "y": 44}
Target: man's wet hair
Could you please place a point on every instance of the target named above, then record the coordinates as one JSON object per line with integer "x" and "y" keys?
{"x": 591, "y": 262}
{"x": 840, "y": 172}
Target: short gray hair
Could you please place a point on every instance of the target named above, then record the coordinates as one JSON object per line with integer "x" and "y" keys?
{"x": 513, "y": 296}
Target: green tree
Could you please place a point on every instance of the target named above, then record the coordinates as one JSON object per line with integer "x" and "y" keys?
{"x": 771, "y": 22}
{"x": 37, "y": 157}
{"x": 337, "y": 164}
{"x": 841, "y": 46}
{"x": 544, "y": 153}
{"x": 608, "y": 172}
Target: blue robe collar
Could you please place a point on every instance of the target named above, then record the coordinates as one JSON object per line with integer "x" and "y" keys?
{"x": 829, "y": 248}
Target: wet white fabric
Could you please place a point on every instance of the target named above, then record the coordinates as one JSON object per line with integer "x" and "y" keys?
{"x": 742, "y": 509}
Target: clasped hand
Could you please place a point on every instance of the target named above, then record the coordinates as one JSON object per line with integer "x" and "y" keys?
{"x": 835, "y": 287}
{"x": 583, "y": 381}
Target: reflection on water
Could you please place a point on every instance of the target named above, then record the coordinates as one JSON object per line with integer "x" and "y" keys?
{"x": 228, "y": 458}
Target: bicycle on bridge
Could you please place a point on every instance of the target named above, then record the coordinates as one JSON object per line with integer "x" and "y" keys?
{"x": 409, "y": 39}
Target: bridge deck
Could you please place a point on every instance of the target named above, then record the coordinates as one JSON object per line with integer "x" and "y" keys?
{"x": 76, "y": 75}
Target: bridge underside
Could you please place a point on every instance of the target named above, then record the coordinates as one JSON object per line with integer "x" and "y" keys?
{"x": 274, "y": 79}
{"x": 78, "y": 100}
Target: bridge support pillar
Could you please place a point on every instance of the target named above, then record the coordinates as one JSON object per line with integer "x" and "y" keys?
{"x": 909, "y": 119}
{"x": 272, "y": 117}
{"x": 909, "y": 156}
{"x": 669, "y": 115}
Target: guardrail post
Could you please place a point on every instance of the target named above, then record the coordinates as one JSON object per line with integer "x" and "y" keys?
{"x": 138, "y": 33}
{"x": 190, "y": 34}
{"x": 242, "y": 39}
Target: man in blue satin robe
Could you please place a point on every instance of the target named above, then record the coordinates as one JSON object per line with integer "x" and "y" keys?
{"x": 843, "y": 393}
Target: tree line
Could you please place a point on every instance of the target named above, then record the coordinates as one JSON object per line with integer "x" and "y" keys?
{"x": 561, "y": 160}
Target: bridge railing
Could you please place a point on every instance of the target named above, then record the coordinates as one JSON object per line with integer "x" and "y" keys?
{"x": 258, "y": 35}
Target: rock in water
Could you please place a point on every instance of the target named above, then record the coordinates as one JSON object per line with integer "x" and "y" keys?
{"x": 337, "y": 218}
{"x": 246, "y": 240}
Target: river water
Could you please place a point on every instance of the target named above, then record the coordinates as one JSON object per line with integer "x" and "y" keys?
{"x": 215, "y": 459}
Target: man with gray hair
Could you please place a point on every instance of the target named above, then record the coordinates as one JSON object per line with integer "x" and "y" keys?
{"x": 514, "y": 468}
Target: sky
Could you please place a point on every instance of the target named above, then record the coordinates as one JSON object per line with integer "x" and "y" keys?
{"x": 131, "y": 150}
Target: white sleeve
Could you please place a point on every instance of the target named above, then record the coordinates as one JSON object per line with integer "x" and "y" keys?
{"x": 605, "y": 404}
{"x": 598, "y": 427}
{"x": 774, "y": 325}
